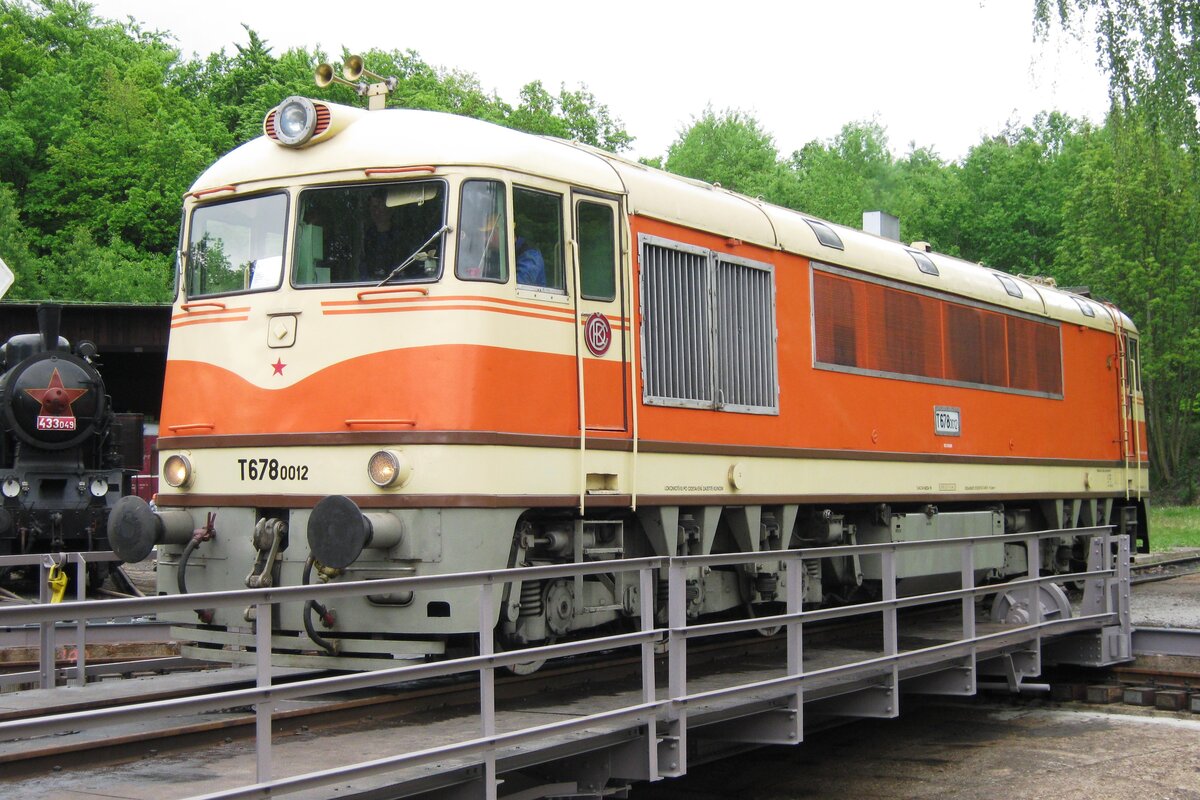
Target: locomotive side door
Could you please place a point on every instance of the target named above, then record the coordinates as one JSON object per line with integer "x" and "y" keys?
{"x": 601, "y": 312}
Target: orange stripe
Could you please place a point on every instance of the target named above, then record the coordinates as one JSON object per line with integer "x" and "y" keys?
{"x": 470, "y": 298}
{"x": 208, "y": 321}
{"x": 617, "y": 323}
{"x": 445, "y": 308}
{"x": 328, "y": 306}
{"x": 215, "y": 311}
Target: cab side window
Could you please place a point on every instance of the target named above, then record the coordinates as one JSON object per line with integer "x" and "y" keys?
{"x": 482, "y": 232}
{"x": 538, "y": 239}
{"x": 597, "y": 251}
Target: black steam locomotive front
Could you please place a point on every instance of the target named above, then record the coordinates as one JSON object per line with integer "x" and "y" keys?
{"x": 61, "y": 465}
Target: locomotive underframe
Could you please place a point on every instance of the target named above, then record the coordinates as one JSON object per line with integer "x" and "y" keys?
{"x": 448, "y": 540}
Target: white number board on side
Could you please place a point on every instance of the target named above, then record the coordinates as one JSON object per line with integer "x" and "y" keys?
{"x": 947, "y": 421}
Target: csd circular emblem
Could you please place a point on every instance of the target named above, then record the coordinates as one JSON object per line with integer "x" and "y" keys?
{"x": 598, "y": 334}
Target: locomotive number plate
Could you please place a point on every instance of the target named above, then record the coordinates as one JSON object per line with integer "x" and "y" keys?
{"x": 45, "y": 423}
{"x": 947, "y": 421}
{"x": 270, "y": 469}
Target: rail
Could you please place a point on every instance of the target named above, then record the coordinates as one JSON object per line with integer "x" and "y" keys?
{"x": 660, "y": 722}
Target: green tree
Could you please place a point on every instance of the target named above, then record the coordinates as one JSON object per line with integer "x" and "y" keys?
{"x": 1139, "y": 217}
{"x": 1132, "y": 233}
{"x": 1150, "y": 50}
{"x": 570, "y": 115}
{"x": 104, "y": 127}
{"x": 930, "y": 200}
{"x": 15, "y": 249}
{"x": 1015, "y": 185}
{"x": 840, "y": 179}
{"x": 729, "y": 148}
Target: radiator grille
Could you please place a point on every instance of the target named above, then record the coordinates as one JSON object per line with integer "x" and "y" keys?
{"x": 708, "y": 329}
{"x": 745, "y": 301}
{"x": 678, "y": 357}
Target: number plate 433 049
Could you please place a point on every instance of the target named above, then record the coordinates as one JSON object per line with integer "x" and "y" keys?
{"x": 947, "y": 421}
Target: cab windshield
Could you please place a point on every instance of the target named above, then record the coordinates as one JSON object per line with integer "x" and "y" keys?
{"x": 236, "y": 246}
{"x": 378, "y": 234}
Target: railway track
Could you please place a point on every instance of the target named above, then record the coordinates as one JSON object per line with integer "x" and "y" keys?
{"x": 314, "y": 717}
{"x": 330, "y": 713}
{"x": 404, "y": 703}
{"x": 1171, "y": 566}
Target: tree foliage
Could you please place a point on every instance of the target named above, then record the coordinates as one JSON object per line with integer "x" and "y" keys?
{"x": 1137, "y": 218}
{"x": 728, "y": 148}
{"x": 1150, "y": 50}
{"x": 104, "y": 126}
{"x": 1113, "y": 209}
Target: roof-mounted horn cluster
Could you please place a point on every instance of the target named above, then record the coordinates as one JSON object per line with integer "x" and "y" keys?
{"x": 300, "y": 122}
{"x": 353, "y": 72}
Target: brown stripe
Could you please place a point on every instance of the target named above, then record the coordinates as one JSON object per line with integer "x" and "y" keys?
{"x": 383, "y": 501}
{"x": 496, "y": 438}
{"x": 608, "y": 500}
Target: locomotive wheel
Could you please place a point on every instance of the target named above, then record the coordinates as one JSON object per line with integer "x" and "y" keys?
{"x": 502, "y": 645}
{"x": 1012, "y": 607}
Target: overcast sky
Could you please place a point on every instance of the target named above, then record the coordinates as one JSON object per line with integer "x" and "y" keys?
{"x": 940, "y": 73}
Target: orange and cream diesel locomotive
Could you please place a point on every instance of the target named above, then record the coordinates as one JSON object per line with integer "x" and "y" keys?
{"x": 409, "y": 343}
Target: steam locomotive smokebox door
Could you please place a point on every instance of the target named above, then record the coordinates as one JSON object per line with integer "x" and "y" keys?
{"x": 53, "y": 400}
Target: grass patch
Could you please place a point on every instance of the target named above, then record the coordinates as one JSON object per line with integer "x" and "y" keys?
{"x": 1174, "y": 526}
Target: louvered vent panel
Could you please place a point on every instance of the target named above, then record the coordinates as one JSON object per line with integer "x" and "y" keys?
{"x": 745, "y": 298}
{"x": 676, "y": 319}
{"x": 708, "y": 329}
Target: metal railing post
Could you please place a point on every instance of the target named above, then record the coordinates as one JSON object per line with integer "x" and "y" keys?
{"x": 1124, "y": 587}
{"x": 263, "y": 710}
{"x": 649, "y": 690}
{"x": 795, "y": 634}
{"x": 891, "y": 643}
{"x": 968, "y": 583}
{"x": 677, "y": 665}
{"x": 46, "y": 642}
{"x": 1033, "y": 548}
{"x": 81, "y": 623}
{"x": 487, "y": 686}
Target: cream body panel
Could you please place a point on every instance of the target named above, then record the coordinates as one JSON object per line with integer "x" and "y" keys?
{"x": 405, "y": 137}
{"x": 513, "y": 471}
{"x": 400, "y": 138}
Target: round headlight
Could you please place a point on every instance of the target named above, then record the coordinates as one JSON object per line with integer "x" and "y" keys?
{"x": 98, "y": 486}
{"x": 295, "y": 121}
{"x": 388, "y": 468}
{"x": 177, "y": 471}
{"x": 11, "y": 487}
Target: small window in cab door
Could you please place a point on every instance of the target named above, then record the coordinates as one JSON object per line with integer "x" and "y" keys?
{"x": 538, "y": 229}
{"x": 597, "y": 250}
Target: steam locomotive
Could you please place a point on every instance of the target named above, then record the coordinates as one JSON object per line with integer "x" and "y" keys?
{"x": 65, "y": 456}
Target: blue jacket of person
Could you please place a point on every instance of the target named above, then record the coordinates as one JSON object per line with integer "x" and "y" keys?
{"x": 531, "y": 267}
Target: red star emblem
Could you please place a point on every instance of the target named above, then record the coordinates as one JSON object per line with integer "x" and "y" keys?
{"x": 56, "y": 399}
{"x": 278, "y": 366}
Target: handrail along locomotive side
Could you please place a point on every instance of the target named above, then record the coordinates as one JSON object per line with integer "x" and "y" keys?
{"x": 411, "y": 343}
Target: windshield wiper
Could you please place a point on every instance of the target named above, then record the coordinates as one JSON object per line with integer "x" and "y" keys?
{"x": 418, "y": 253}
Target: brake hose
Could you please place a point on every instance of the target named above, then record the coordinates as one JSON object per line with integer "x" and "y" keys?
{"x": 327, "y": 616}
{"x": 204, "y": 534}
